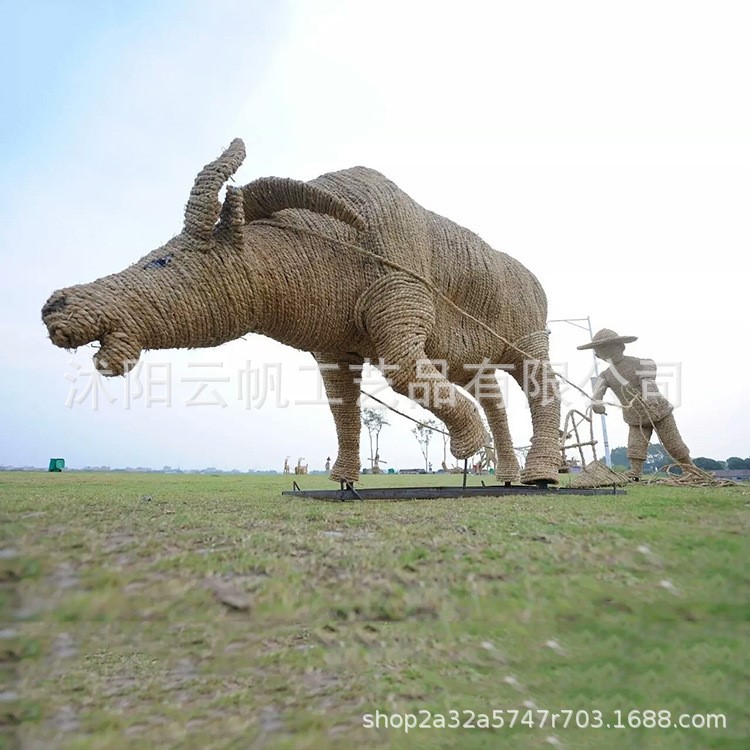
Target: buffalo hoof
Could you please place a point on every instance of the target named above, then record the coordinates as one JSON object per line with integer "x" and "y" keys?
{"x": 507, "y": 477}
{"x": 506, "y": 469}
{"x": 533, "y": 475}
{"x": 343, "y": 472}
{"x": 468, "y": 441}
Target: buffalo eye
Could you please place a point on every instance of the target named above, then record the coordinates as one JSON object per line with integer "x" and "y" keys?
{"x": 159, "y": 262}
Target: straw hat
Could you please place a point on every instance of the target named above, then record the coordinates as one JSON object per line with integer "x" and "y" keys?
{"x": 607, "y": 336}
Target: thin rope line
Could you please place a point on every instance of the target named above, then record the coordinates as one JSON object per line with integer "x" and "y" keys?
{"x": 385, "y": 261}
{"x": 412, "y": 419}
{"x": 401, "y": 414}
{"x": 397, "y": 266}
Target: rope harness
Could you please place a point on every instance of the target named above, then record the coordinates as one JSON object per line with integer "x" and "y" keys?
{"x": 696, "y": 476}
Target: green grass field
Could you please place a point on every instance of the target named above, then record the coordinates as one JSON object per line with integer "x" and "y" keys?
{"x": 209, "y": 612}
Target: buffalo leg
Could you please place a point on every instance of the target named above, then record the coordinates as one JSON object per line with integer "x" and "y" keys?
{"x": 397, "y": 319}
{"x": 339, "y": 379}
{"x": 487, "y": 392}
{"x": 506, "y": 467}
{"x": 534, "y": 374}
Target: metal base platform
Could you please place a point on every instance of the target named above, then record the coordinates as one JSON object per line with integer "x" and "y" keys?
{"x": 349, "y": 493}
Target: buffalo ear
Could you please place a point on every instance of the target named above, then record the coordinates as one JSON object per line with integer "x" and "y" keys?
{"x": 232, "y": 217}
{"x": 267, "y": 195}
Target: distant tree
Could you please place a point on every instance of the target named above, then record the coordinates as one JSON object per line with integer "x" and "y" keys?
{"x": 738, "y": 463}
{"x": 446, "y": 439}
{"x": 656, "y": 458}
{"x": 619, "y": 457}
{"x": 374, "y": 420}
{"x": 709, "y": 464}
{"x": 423, "y": 433}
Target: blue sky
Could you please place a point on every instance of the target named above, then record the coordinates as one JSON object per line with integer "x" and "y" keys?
{"x": 606, "y": 148}
{"x": 62, "y": 64}
{"x": 52, "y": 60}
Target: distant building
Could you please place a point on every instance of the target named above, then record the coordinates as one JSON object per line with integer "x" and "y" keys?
{"x": 738, "y": 475}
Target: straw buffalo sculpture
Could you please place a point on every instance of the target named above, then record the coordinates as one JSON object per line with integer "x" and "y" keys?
{"x": 347, "y": 267}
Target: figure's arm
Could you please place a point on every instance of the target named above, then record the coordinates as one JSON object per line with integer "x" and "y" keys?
{"x": 647, "y": 387}
{"x": 600, "y": 388}
{"x": 647, "y": 369}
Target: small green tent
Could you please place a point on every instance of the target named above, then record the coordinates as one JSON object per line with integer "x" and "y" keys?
{"x": 56, "y": 464}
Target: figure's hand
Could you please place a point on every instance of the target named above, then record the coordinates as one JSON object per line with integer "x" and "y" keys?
{"x": 598, "y": 408}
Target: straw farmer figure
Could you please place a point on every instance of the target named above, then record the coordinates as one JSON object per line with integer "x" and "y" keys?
{"x": 644, "y": 408}
{"x": 349, "y": 268}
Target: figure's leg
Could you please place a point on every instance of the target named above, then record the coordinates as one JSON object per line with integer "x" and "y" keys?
{"x": 343, "y": 397}
{"x": 670, "y": 438}
{"x": 398, "y": 316}
{"x": 536, "y": 377}
{"x": 639, "y": 436}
